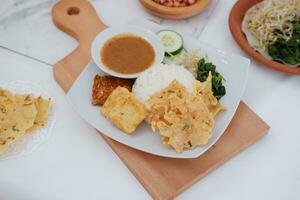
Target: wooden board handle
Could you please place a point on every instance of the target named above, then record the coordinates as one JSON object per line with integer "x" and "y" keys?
{"x": 78, "y": 19}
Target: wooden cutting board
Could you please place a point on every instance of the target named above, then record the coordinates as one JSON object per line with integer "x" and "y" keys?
{"x": 163, "y": 178}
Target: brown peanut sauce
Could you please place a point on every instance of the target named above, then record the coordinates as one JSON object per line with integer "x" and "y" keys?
{"x": 127, "y": 54}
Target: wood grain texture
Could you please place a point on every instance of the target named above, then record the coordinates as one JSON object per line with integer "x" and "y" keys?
{"x": 163, "y": 178}
{"x": 173, "y": 12}
{"x": 78, "y": 19}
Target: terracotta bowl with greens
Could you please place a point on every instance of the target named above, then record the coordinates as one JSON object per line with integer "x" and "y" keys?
{"x": 268, "y": 32}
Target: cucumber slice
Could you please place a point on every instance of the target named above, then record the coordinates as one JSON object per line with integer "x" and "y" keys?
{"x": 172, "y": 41}
{"x": 177, "y": 59}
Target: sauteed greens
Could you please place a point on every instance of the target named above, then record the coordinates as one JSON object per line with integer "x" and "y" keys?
{"x": 217, "y": 79}
{"x": 287, "y": 50}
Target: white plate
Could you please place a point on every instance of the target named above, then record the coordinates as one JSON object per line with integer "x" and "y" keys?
{"x": 108, "y": 33}
{"x": 233, "y": 68}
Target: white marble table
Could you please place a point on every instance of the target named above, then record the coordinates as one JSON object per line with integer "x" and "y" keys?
{"x": 26, "y": 25}
{"x": 76, "y": 163}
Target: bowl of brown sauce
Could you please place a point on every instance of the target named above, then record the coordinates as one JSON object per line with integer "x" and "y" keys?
{"x": 126, "y": 51}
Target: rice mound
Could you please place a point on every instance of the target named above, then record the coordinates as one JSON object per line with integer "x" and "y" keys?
{"x": 159, "y": 77}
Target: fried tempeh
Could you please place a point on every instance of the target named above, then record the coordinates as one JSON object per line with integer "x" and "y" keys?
{"x": 104, "y": 85}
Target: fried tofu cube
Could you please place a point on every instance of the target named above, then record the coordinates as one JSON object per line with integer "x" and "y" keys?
{"x": 124, "y": 110}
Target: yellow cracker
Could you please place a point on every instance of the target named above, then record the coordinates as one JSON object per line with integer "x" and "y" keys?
{"x": 41, "y": 119}
{"x": 183, "y": 120}
{"x": 27, "y": 109}
{"x": 19, "y": 114}
{"x": 205, "y": 90}
{"x": 16, "y": 115}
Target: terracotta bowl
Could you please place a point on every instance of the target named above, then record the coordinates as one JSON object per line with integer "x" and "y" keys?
{"x": 235, "y": 20}
{"x": 175, "y": 13}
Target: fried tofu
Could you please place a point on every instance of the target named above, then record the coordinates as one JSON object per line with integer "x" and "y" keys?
{"x": 124, "y": 110}
{"x": 104, "y": 85}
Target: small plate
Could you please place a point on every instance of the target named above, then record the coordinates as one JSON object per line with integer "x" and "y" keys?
{"x": 233, "y": 68}
{"x": 235, "y": 24}
{"x": 108, "y": 33}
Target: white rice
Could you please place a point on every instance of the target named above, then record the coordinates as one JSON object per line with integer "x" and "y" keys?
{"x": 159, "y": 77}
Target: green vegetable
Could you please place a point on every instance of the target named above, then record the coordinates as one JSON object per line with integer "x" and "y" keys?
{"x": 287, "y": 50}
{"x": 172, "y": 41}
{"x": 217, "y": 79}
{"x": 177, "y": 59}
